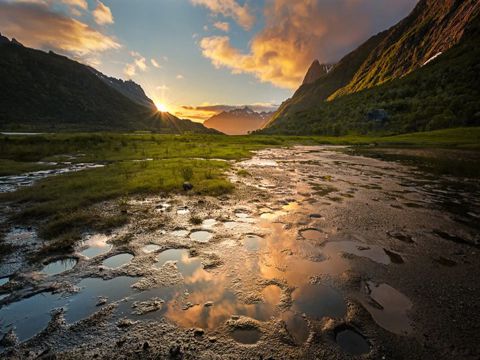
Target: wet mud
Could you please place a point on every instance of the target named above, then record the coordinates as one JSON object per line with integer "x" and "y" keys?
{"x": 317, "y": 254}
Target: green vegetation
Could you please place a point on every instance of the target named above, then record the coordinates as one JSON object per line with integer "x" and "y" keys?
{"x": 442, "y": 94}
{"x": 65, "y": 206}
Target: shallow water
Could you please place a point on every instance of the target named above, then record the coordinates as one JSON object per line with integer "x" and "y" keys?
{"x": 13, "y": 182}
{"x": 117, "y": 261}
{"x": 150, "y": 248}
{"x": 96, "y": 245}
{"x": 31, "y": 315}
{"x": 4, "y": 280}
{"x": 389, "y": 308}
{"x": 59, "y": 266}
{"x": 201, "y": 236}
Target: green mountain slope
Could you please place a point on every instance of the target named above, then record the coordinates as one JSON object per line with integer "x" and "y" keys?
{"x": 444, "y": 93}
{"x": 47, "y": 92}
{"x": 431, "y": 29}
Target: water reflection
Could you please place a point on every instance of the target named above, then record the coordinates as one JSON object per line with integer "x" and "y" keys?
{"x": 59, "y": 266}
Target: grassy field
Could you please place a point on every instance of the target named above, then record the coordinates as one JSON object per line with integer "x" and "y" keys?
{"x": 149, "y": 164}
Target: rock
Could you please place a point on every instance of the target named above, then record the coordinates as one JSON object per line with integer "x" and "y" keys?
{"x": 148, "y": 306}
{"x": 208, "y": 304}
{"x": 124, "y": 323}
{"x": 198, "y": 332}
{"x": 102, "y": 300}
{"x": 9, "y": 339}
{"x": 146, "y": 345}
{"x": 175, "y": 352}
{"x": 187, "y": 186}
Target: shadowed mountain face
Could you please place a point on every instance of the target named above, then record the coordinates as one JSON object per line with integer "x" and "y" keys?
{"x": 316, "y": 71}
{"x": 430, "y": 30}
{"x": 238, "y": 121}
{"x": 48, "y": 92}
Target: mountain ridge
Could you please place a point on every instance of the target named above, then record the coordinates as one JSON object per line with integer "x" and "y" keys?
{"x": 239, "y": 121}
{"x": 49, "y": 92}
{"x": 366, "y": 67}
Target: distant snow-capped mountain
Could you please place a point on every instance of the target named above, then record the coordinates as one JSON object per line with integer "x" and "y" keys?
{"x": 239, "y": 121}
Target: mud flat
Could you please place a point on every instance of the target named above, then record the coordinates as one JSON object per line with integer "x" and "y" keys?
{"x": 317, "y": 254}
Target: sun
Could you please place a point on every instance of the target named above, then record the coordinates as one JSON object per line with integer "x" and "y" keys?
{"x": 161, "y": 107}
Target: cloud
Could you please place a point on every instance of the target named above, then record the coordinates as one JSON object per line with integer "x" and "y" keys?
{"x": 230, "y": 8}
{"x": 162, "y": 87}
{"x": 223, "y": 26}
{"x": 82, "y": 4}
{"x": 297, "y": 32}
{"x": 155, "y": 63}
{"x": 37, "y": 25}
{"x": 130, "y": 70}
{"x": 139, "y": 63}
{"x": 102, "y": 14}
{"x": 180, "y": 77}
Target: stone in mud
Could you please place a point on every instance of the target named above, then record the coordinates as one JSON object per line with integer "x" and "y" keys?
{"x": 124, "y": 323}
{"x": 9, "y": 339}
{"x": 208, "y": 304}
{"x": 400, "y": 236}
{"x": 198, "y": 332}
{"x": 148, "y": 306}
{"x": 102, "y": 300}
{"x": 176, "y": 352}
{"x": 187, "y": 186}
{"x": 394, "y": 257}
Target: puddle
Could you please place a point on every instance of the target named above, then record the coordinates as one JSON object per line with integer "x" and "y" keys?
{"x": 117, "y": 261}
{"x": 183, "y": 211}
{"x": 256, "y": 162}
{"x": 31, "y": 315}
{"x": 312, "y": 234}
{"x": 150, "y": 248}
{"x": 201, "y": 236}
{"x": 242, "y": 215}
{"x": 297, "y": 326}
{"x": 180, "y": 233}
{"x": 4, "y": 280}
{"x": 389, "y": 308}
{"x": 13, "y": 182}
{"x": 351, "y": 341}
{"x": 246, "y": 336}
{"x": 253, "y": 242}
{"x": 209, "y": 223}
{"x": 318, "y": 301}
{"x": 96, "y": 245}
{"x": 59, "y": 266}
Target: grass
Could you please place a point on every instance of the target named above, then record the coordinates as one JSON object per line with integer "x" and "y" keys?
{"x": 63, "y": 206}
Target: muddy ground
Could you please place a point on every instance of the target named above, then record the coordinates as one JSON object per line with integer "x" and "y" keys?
{"x": 317, "y": 254}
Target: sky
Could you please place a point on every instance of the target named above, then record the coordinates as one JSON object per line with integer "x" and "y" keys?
{"x": 195, "y": 58}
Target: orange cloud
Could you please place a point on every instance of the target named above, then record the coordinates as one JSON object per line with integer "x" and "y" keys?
{"x": 230, "y": 8}
{"x": 36, "y": 25}
{"x": 297, "y": 32}
{"x": 102, "y": 14}
{"x": 223, "y": 26}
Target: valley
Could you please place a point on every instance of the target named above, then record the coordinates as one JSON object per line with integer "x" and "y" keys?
{"x": 311, "y": 249}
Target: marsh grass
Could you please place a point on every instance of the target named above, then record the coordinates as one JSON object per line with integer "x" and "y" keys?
{"x": 61, "y": 206}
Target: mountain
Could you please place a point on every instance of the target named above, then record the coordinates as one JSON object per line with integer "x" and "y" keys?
{"x": 420, "y": 41}
{"x": 316, "y": 71}
{"x": 128, "y": 88}
{"x": 42, "y": 91}
{"x": 238, "y": 121}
